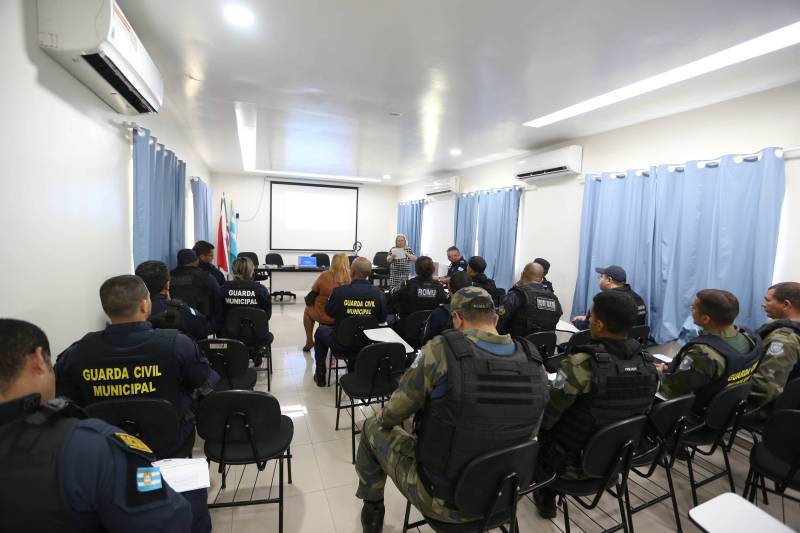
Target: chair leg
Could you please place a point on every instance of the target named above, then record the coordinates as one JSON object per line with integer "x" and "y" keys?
{"x": 691, "y": 479}
{"x": 764, "y": 489}
{"x": 338, "y": 407}
{"x": 408, "y": 514}
{"x": 674, "y": 500}
{"x": 269, "y": 376}
{"x": 728, "y": 469}
{"x": 224, "y": 473}
{"x": 566, "y": 513}
{"x": 353, "y": 429}
{"x": 289, "y": 463}
{"x": 330, "y": 366}
{"x": 623, "y": 518}
{"x": 628, "y": 512}
{"x": 280, "y": 496}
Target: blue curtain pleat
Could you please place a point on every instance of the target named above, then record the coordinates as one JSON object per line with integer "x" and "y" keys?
{"x": 409, "y": 223}
{"x": 201, "y": 200}
{"x": 142, "y": 184}
{"x": 466, "y": 223}
{"x": 178, "y": 219}
{"x": 497, "y": 233}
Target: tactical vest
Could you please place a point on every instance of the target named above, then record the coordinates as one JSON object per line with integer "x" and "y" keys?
{"x": 739, "y": 367}
{"x": 242, "y": 293}
{"x": 30, "y": 450}
{"x": 421, "y": 295}
{"x": 169, "y": 318}
{"x": 540, "y": 312}
{"x": 769, "y": 327}
{"x": 150, "y": 369}
{"x": 492, "y": 402}
{"x": 191, "y": 286}
{"x": 623, "y": 385}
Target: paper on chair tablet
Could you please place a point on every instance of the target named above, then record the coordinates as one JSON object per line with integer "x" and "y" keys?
{"x": 185, "y": 474}
{"x": 398, "y": 253}
{"x": 563, "y": 325}
{"x": 661, "y": 357}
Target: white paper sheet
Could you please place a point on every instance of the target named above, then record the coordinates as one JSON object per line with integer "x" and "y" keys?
{"x": 663, "y": 358}
{"x": 563, "y": 325}
{"x": 398, "y": 253}
{"x": 185, "y": 474}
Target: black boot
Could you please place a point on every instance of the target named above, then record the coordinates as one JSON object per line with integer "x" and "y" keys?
{"x": 545, "y": 501}
{"x": 372, "y": 517}
{"x": 320, "y": 379}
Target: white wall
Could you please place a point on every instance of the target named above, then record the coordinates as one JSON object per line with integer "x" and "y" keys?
{"x": 65, "y": 184}
{"x": 551, "y": 213}
{"x": 377, "y": 215}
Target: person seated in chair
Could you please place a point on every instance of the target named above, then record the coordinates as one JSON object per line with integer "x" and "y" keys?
{"x": 546, "y": 266}
{"x": 359, "y": 298}
{"x": 614, "y": 278}
{"x": 780, "y": 363}
{"x": 457, "y": 264}
{"x": 529, "y": 307}
{"x": 722, "y": 356}
{"x": 62, "y": 471}
{"x": 191, "y": 284}
{"x": 441, "y": 318}
{"x": 420, "y": 293}
{"x": 242, "y": 291}
{"x": 129, "y": 358}
{"x": 606, "y": 381}
{"x": 205, "y": 255}
{"x": 453, "y": 424}
{"x": 166, "y": 312}
{"x": 476, "y": 266}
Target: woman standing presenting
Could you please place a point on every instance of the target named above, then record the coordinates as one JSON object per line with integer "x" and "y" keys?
{"x": 400, "y": 258}
{"x": 338, "y": 274}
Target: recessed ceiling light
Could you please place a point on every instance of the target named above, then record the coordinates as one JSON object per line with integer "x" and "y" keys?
{"x": 387, "y": 177}
{"x": 238, "y": 15}
{"x": 764, "y": 44}
{"x": 455, "y": 152}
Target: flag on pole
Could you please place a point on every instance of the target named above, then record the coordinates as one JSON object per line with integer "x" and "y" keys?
{"x": 222, "y": 239}
{"x": 233, "y": 249}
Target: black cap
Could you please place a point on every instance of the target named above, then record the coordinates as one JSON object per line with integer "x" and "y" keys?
{"x": 186, "y": 256}
{"x": 477, "y": 263}
{"x": 615, "y": 272}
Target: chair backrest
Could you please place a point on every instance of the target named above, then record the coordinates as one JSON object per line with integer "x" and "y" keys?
{"x": 782, "y": 436}
{"x": 238, "y": 408}
{"x": 228, "y": 357}
{"x": 379, "y": 260}
{"x": 247, "y": 324}
{"x": 641, "y": 334}
{"x": 379, "y": 363}
{"x": 602, "y": 454}
{"x": 350, "y": 331}
{"x": 273, "y": 259}
{"x": 351, "y": 258}
{"x": 413, "y": 328}
{"x": 580, "y": 338}
{"x": 790, "y": 397}
{"x": 323, "y": 260}
{"x": 665, "y": 416}
{"x": 497, "y": 295}
{"x": 154, "y": 421}
{"x": 251, "y": 256}
{"x": 492, "y": 478}
{"x": 723, "y": 406}
{"x": 545, "y": 342}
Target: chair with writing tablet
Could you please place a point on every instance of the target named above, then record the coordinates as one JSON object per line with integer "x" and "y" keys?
{"x": 230, "y": 359}
{"x": 277, "y": 260}
{"x": 153, "y": 421}
{"x": 250, "y": 326}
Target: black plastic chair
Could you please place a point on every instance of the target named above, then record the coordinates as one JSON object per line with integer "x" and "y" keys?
{"x": 276, "y": 259}
{"x": 349, "y": 334}
{"x": 323, "y": 260}
{"x": 242, "y": 428}
{"x": 231, "y": 360}
{"x": 607, "y": 459}
{"x": 788, "y": 399}
{"x": 545, "y": 342}
{"x": 251, "y": 256}
{"x": 375, "y": 379}
{"x": 250, "y": 326}
{"x": 351, "y": 258}
{"x": 641, "y": 334}
{"x": 497, "y": 296}
{"x": 776, "y": 457}
{"x": 412, "y": 328}
{"x": 720, "y": 418}
{"x": 490, "y": 487}
{"x": 668, "y": 421}
{"x": 381, "y": 272}
{"x": 154, "y": 421}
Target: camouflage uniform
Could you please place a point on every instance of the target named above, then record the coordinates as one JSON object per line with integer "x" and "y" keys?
{"x": 700, "y": 365}
{"x": 387, "y": 449}
{"x": 781, "y": 355}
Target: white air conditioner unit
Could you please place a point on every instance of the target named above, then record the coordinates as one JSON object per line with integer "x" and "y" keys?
{"x": 560, "y": 162}
{"x": 443, "y": 186}
{"x": 94, "y": 41}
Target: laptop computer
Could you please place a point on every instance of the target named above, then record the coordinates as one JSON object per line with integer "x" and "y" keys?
{"x": 307, "y": 261}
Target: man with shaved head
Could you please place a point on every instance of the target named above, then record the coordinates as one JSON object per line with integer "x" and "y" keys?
{"x": 529, "y": 307}
{"x": 359, "y": 299}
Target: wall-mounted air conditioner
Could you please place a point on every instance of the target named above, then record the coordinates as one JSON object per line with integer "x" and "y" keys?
{"x": 564, "y": 161}
{"x": 94, "y": 41}
{"x": 443, "y": 186}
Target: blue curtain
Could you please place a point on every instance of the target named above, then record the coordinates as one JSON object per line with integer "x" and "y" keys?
{"x": 201, "y": 200}
{"x": 466, "y": 223}
{"x": 409, "y": 223}
{"x": 497, "y": 233}
{"x": 159, "y": 201}
{"x": 616, "y": 229}
{"x": 717, "y": 225}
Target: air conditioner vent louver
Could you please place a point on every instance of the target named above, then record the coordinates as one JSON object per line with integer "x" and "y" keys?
{"x": 109, "y": 72}
{"x": 564, "y": 161}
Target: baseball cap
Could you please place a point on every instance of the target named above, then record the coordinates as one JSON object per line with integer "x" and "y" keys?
{"x": 615, "y": 272}
{"x": 471, "y": 298}
{"x": 186, "y": 256}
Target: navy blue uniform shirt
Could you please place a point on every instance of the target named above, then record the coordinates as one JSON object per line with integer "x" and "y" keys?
{"x": 219, "y": 277}
{"x": 359, "y": 289}
{"x": 262, "y": 297}
{"x": 439, "y": 321}
{"x": 191, "y": 321}
{"x": 457, "y": 266}
{"x": 512, "y": 301}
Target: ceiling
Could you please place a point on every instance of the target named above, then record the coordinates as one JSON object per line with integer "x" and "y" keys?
{"x": 328, "y": 78}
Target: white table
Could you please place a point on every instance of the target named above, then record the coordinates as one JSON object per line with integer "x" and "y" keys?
{"x": 730, "y": 512}
{"x": 387, "y": 335}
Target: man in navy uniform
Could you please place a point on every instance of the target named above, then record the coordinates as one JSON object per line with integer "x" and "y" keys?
{"x": 205, "y": 255}
{"x": 529, "y": 307}
{"x": 129, "y": 358}
{"x": 198, "y": 288}
{"x": 457, "y": 264}
{"x": 63, "y": 473}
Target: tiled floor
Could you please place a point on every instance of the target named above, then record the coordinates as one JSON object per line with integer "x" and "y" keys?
{"x": 321, "y": 498}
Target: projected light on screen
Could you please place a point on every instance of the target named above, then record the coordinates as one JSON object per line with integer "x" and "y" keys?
{"x": 312, "y": 217}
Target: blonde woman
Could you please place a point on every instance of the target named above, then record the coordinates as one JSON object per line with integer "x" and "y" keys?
{"x": 337, "y": 275}
{"x": 400, "y": 267}
{"x": 243, "y": 291}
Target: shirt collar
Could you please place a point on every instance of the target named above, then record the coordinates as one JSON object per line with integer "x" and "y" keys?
{"x": 16, "y": 408}
{"x": 129, "y": 327}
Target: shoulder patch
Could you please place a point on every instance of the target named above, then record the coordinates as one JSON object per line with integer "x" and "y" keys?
{"x": 775, "y": 348}
{"x": 561, "y": 380}
{"x": 501, "y": 311}
{"x": 132, "y": 442}
{"x": 148, "y": 479}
